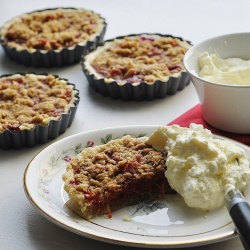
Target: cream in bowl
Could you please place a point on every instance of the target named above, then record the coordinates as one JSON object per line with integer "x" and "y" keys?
{"x": 234, "y": 71}
{"x": 220, "y": 71}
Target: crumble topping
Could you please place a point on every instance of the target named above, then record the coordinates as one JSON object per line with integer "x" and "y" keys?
{"x": 134, "y": 59}
{"x": 108, "y": 176}
{"x": 52, "y": 29}
{"x": 27, "y": 100}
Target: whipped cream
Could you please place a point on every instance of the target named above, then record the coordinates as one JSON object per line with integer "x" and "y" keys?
{"x": 232, "y": 71}
{"x": 200, "y": 167}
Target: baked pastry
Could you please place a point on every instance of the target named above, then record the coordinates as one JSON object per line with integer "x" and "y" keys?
{"x": 52, "y": 37}
{"x": 143, "y": 66}
{"x": 106, "y": 177}
{"x": 34, "y": 108}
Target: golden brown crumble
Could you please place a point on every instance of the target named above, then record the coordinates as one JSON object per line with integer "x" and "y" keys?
{"x": 106, "y": 177}
{"x": 52, "y": 29}
{"x": 27, "y": 100}
{"x": 140, "y": 58}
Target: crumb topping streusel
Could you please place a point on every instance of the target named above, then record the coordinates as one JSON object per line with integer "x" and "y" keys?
{"x": 134, "y": 59}
{"x": 106, "y": 176}
{"x": 28, "y": 100}
{"x": 52, "y": 29}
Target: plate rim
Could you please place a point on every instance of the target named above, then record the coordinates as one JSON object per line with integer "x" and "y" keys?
{"x": 222, "y": 236}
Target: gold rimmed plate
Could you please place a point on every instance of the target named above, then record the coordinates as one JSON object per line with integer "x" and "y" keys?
{"x": 166, "y": 223}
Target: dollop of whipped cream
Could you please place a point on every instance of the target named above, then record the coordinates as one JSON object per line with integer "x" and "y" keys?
{"x": 200, "y": 167}
{"x": 232, "y": 71}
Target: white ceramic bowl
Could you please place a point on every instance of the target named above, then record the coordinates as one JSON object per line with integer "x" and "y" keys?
{"x": 226, "y": 107}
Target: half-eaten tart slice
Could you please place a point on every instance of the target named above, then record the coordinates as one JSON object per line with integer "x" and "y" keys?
{"x": 106, "y": 177}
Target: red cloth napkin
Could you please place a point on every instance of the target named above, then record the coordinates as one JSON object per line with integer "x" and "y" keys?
{"x": 194, "y": 115}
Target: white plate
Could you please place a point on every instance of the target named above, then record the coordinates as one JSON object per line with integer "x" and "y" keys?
{"x": 161, "y": 224}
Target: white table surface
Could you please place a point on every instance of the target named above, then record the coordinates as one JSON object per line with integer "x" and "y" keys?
{"x": 21, "y": 226}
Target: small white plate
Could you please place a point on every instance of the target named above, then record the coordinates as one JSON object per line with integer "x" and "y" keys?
{"x": 161, "y": 224}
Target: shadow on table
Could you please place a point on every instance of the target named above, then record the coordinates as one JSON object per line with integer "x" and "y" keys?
{"x": 123, "y": 105}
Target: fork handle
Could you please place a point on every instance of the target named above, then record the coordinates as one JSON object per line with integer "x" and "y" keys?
{"x": 239, "y": 210}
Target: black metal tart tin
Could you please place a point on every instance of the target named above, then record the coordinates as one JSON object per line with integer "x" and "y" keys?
{"x": 141, "y": 91}
{"x": 39, "y": 134}
{"x": 52, "y": 58}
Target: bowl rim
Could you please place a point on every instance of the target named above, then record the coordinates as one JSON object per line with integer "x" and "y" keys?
{"x": 191, "y": 50}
